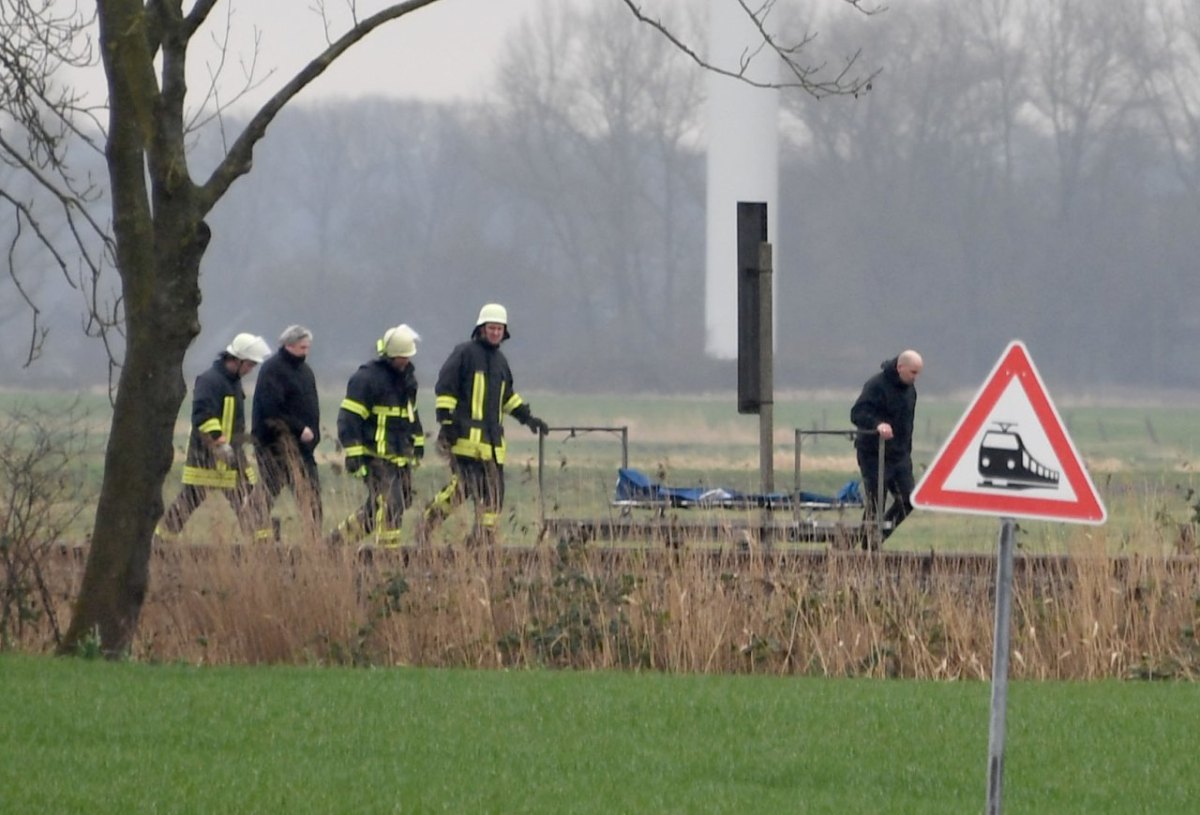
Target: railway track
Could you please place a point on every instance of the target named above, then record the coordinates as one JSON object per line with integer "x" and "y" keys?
{"x": 925, "y": 567}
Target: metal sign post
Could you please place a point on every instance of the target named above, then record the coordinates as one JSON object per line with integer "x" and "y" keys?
{"x": 1009, "y": 456}
{"x": 1001, "y": 642}
{"x": 766, "y": 381}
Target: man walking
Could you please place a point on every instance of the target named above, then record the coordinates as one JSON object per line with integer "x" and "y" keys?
{"x": 285, "y": 423}
{"x": 474, "y": 390}
{"x": 886, "y": 407}
{"x": 381, "y": 436}
{"x": 215, "y": 457}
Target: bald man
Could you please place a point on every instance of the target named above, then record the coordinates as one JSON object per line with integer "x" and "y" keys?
{"x": 886, "y": 408}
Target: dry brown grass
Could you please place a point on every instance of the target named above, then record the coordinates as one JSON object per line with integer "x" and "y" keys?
{"x": 689, "y": 611}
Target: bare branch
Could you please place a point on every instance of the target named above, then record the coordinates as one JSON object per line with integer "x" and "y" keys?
{"x": 805, "y": 77}
{"x": 238, "y": 160}
{"x": 212, "y": 105}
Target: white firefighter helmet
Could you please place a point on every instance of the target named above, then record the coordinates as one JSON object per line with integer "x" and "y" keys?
{"x": 493, "y": 313}
{"x": 400, "y": 341}
{"x": 248, "y": 347}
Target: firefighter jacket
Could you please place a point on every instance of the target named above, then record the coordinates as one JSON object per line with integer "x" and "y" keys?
{"x": 378, "y": 417}
{"x": 218, "y": 404}
{"x": 285, "y": 402}
{"x": 474, "y": 390}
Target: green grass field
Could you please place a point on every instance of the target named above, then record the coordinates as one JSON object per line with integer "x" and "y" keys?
{"x": 80, "y": 736}
{"x": 89, "y": 737}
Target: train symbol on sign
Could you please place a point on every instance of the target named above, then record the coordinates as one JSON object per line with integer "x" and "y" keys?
{"x": 1004, "y": 462}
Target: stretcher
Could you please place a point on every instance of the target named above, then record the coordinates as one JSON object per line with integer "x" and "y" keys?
{"x": 635, "y": 490}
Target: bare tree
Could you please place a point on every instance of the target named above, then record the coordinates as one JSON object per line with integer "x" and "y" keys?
{"x": 158, "y": 228}
{"x": 587, "y": 103}
{"x": 51, "y": 202}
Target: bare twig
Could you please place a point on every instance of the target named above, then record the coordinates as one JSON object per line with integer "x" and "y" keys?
{"x": 803, "y": 76}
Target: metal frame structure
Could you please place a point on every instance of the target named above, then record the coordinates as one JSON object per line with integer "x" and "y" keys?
{"x": 766, "y": 529}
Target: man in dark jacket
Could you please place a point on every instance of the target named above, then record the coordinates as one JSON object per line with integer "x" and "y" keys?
{"x": 474, "y": 391}
{"x": 286, "y": 419}
{"x": 382, "y": 439}
{"x": 215, "y": 457}
{"x": 885, "y": 409}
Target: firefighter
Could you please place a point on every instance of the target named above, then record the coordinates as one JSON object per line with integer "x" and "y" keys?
{"x": 381, "y": 436}
{"x": 215, "y": 456}
{"x": 474, "y": 390}
{"x": 285, "y": 423}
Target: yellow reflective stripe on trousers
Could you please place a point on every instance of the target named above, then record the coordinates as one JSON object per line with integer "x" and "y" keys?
{"x": 204, "y": 477}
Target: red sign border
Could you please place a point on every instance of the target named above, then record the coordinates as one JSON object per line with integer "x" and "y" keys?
{"x": 931, "y": 492}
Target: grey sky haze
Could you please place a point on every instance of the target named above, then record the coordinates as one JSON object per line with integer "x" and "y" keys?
{"x": 444, "y": 51}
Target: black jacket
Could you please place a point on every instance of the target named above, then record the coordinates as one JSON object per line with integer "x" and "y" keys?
{"x": 885, "y": 398}
{"x": 474, "y": 390}
{"x": 285, "y": 401}
{"x": 379, "y": 415}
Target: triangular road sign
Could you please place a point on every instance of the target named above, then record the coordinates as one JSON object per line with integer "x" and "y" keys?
{"x": 1010, "y": 455}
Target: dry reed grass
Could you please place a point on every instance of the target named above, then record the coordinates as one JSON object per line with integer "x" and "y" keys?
{"x": 696, "y": 610}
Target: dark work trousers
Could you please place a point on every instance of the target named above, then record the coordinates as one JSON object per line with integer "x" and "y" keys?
{"x": 191, "y": 497}
{"x": 389, "y": 491}
{"x": 286, "y": 465}
{"x": 898, "y": 482}
{"x": 480, "y": 481}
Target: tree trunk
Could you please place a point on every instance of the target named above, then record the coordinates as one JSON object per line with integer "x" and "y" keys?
{"x": 140, "y": 445}
{"x": 158, "y": 250}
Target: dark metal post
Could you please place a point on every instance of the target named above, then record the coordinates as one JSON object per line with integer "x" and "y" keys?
{"x": 881, "y": 490}
{"x": 766, "y": 380}
{"x": 541, "y": 481}
{"x": 1000, "y": 646}
{"x": 799, "y": 436}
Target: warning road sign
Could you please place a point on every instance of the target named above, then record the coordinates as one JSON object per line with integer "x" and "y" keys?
{"x": 1010, "y": 454}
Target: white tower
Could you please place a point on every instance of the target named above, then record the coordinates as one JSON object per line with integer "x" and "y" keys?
{"x": 743, "y": 162}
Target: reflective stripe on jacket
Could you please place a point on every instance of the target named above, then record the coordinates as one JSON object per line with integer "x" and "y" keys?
{"x": 474, "y": 391}
{"x": 218, "y": 403}
{"x": 379, "y": 415}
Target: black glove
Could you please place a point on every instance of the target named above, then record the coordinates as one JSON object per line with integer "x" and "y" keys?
{"x": 537, "y": 425}
{"x": 356, "y": 466}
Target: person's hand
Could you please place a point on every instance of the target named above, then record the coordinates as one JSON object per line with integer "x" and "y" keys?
{"x": 356, "y": 466}
{"x": 446, "y": 438}
{"x": 537, "y": 426}
{"x": 224, "y": 452}
{"x": 306, "y": 435}
{"x": 885, "y": 431}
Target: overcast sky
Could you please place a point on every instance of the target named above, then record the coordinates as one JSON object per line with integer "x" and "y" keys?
{"x": 444, "y": 51}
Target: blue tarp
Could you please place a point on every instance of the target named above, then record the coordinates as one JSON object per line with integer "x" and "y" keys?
{"x": 634, "y": 486}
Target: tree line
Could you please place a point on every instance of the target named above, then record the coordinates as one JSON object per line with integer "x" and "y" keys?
{"x": 1017, "y": 170}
